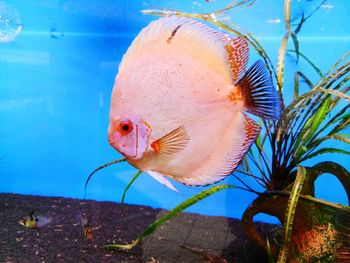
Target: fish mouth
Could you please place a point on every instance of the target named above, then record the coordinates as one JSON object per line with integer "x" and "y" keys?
{"x": 119, "y": 148}
{"x": 112, "y": 143}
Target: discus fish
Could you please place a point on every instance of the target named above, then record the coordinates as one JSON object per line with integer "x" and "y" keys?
{"x": 85, "y": 225}
{"x": 35, "y": 221}
{"x": 180, "y": 98}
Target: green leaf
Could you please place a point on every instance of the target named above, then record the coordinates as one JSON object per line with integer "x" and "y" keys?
{"x": 317, "y": 118}
{"x": 326, "y": 124}
{"x": 281, "y": 59}
{"x": 339, "y": 137}
{"x": 296, "y": 83}
{"x": 336, "y": 93}
{"x": 172, "y": 213}
{"x": 313, "y": 65}
{"x": 344, "y": 137}
{"x": 310, "y": 129}
{"x": 292, "y": 204}
{"x": 302, "y": 20}
{"x": 100, "y": 168}
{"x": 334, "y": 72}
{"x": 261, "y": 51}
{"x": 233, "y": 5}
{"x": 343, "y": 123}
{"x": 287, "y": 13}
{"x": 339, "y": 118}
{"x": 296, "y": 44}
{"x": 245, "y": 164}
{"x": 130, "y": 183}
{"x": 258, "y": 141}
{"x": 324, "y": 151}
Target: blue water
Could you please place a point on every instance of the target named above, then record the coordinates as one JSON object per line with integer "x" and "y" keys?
{"x": 56, "y": 78}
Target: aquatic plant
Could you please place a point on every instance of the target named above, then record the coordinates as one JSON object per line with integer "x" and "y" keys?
{"x": 281, "y": 157}
{"x": 171, "y": 214}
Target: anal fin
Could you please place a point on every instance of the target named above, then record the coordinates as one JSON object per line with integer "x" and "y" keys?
{"x": 220, "y": 165}
{"x": 252, "y": 131}
{"x": 234, "y": 159}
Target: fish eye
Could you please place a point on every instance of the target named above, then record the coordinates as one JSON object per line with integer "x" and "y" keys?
{"x": 126, "y": 127}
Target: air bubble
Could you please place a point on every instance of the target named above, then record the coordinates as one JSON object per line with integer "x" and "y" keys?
{"x": 10, "y": 23}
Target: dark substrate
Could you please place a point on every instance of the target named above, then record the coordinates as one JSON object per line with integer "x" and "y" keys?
{"x": 186, "y": 238}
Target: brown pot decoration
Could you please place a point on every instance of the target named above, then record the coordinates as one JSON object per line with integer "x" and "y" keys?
{"x": 318, "y": 226}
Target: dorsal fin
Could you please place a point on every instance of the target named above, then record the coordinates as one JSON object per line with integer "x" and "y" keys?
{"x": 238, "y": 57}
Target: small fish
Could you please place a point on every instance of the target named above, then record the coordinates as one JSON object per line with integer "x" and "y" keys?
{"x": 54, "y": 33}
{"x": 35, "y": 221}
{"x": 179, "y": 102}
{"x": 85, "y": 225}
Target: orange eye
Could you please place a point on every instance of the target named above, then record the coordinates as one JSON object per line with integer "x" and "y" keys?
{"x": 125, "y": 127}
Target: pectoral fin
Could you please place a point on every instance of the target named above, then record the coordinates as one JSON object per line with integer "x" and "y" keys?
{"x": 161, "y": 178}
{"x": 172, "y": 142}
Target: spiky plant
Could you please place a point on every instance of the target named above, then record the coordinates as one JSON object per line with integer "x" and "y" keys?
{"x": 308, "y": 124}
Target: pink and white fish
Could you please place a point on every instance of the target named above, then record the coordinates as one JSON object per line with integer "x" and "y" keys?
{"x": 179, "y": 102}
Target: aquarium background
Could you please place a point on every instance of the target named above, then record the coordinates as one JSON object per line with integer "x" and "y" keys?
{"x": 58, "y": 61}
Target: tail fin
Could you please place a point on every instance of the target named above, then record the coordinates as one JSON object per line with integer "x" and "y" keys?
{"x": 260, "y": 96}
